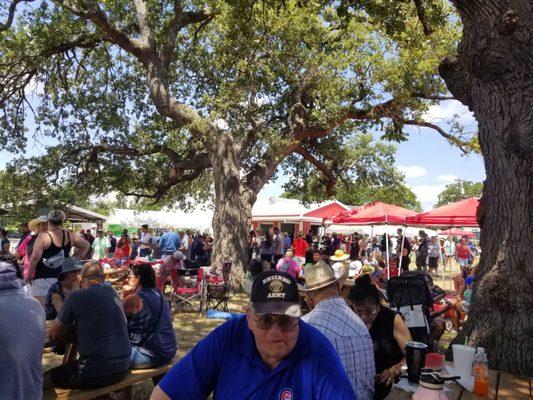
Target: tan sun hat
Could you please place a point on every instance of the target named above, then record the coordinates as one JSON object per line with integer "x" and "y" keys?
{"x": 367, "y": 269}
{"x": 32, "y": 225}
{"x": 339, "y": 256}
{"x": 318, "y": 276}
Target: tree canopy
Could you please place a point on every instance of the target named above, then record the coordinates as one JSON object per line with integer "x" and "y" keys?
{"x": 366, "y": 172}
{"x": 459, "y": 190}
{"x": 134, "y": 96}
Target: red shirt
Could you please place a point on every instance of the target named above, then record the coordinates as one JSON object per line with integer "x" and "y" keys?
{"x": 300, "y": 247}
{"x": 462, "y": 251}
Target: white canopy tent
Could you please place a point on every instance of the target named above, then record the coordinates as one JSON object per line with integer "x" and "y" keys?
{"x": 198, "y": 219}
{"x": 378, "y": 229}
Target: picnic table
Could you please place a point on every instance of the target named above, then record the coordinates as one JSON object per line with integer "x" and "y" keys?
{"x": 503, "y": 386}
{"x": 69, "y": 341}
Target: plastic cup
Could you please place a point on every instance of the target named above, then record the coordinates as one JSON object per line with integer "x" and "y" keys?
{"x": 463, "y": 358}
{"x": 415, "y": 355}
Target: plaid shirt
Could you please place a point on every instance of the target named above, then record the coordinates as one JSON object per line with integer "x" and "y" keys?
{"x": 350, "y": 337}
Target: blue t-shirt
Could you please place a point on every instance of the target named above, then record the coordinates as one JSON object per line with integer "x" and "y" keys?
{"x": 227, "y": 363}
{"x": 469, "y": 280}
{"x": 169, "y": 243}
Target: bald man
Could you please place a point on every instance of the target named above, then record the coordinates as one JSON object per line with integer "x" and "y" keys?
{"x": 95, "y": 315}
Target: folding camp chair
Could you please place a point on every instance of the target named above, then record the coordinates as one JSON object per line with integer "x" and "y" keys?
{"x": 185, "y": 295}
{"x": 218, "y": 288}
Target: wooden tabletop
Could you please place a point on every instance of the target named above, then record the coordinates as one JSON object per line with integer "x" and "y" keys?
{"x": 503, "y": 386}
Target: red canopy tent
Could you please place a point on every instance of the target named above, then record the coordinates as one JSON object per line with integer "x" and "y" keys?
{"x": 457, "y": 232}
{"x": 375, "y": 213}
{"x": 461, "y": 213}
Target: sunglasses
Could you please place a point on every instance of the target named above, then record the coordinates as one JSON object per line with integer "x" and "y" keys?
{"x": 365, "y": 311}
{"x": 284, "y": 322}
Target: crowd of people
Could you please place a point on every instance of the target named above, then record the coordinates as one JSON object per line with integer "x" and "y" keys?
{"x": 350, "y": 347}
{"x": 429, "y": 252}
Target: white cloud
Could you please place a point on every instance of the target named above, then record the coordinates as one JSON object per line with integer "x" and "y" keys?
{"x": 447, "y": 110}
{"x": 446, "y": 178}
{"x": 412, "y": 171}
{"x": 427, "y": 194}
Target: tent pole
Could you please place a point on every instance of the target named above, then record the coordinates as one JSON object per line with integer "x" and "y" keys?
{"x": 387, "y": 252}
{"x": 401, "y": 252}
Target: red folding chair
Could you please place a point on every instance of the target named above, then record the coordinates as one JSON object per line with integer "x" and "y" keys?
{"x": 219, "y": 288}
{"x": 185, "y": 295}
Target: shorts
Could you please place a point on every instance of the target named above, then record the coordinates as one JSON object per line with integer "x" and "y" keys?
{"x": 465, "y": 306}
{"x": 463, "y": 262}
{"x": 140, "y": 360}
{"x": 69, "y": 376}
{"x": 144, "y": 252}
{"x": 433, "y": 262}
{"x": 40, "y": 286}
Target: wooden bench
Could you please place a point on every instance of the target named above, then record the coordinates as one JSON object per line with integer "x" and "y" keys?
{"x": 133, "y": 376}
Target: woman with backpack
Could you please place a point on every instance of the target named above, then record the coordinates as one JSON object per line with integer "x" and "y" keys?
{"x": 49, "y": 251}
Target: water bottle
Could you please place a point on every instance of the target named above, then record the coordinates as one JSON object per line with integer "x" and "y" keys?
{"x": 481, "y": 373}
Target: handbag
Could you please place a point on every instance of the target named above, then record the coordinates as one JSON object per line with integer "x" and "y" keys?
{"x": 55, "y": 261}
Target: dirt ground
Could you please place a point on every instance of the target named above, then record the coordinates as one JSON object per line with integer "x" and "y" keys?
{"x": 191, "y": 327}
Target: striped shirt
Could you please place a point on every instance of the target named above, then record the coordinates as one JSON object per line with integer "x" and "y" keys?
{"x": 350, "y": 337}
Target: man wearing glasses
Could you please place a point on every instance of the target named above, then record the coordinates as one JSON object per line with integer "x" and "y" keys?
{"x": 269, "y": 353}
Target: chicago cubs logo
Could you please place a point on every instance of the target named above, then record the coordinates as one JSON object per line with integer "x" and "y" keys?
{"x": 286, "y": 394}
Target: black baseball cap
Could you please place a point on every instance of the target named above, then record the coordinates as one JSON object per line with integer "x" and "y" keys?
{"x": 275, "y": 292}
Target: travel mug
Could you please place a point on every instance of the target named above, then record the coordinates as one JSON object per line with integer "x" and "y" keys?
{"x": 415, "y": 355}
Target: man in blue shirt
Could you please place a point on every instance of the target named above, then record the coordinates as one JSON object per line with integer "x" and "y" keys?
{"x": 169, "y": 242}
{"x": 267, "y": 354}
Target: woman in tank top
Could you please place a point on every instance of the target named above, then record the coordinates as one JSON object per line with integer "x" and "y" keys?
{"x": 388, "y": 332}
{"x": 49, "y": 250}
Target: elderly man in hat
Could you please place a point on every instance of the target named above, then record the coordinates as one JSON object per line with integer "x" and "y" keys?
{"x": 95, "y": 314}
{"x": 21, "y": 338}
{"x": 68, "y": 281}
{"x": 344, "y": 329}
{"x": 269, "y": 353}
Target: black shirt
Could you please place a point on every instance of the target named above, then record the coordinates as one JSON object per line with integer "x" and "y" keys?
{"x": 387, "y": 352}
{"x": 101, "y": 330}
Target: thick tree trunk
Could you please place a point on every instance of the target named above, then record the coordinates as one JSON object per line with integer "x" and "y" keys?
{"x": 233, "y": 209}
{"x": 493, "y": 75}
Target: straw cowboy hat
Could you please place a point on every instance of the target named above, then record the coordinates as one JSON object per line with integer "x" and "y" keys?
{"x": 319, "y": 275}
{"x": 367, "y": 269}
{"x": 32, "y": 225}
{"x": 339, "y": 256}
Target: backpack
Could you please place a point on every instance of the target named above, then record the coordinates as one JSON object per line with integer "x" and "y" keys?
{"x": 410, "y": 295}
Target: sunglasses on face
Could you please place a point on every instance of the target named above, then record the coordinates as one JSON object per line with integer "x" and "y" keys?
{"x": 365, "y": 311}
{"x": 284, "y": 322}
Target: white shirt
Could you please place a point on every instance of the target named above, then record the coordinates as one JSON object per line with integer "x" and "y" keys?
{"x": 145, "y": 240}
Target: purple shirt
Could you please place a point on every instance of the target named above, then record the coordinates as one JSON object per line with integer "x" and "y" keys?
{"x": 290, "y": 266}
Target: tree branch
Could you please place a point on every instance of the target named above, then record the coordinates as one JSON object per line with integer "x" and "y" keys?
{"x": 98, "y": 17}
{"x": 320, "y": 166}
{"x": 421, "y": 14}
{"x": 458, "y": 142}
{"x": 11, "y": 14}
{"x": 180, "y": 20}
{"x": 200, "y": 160}
{"x": 144, "y": 22}
{"x": 167, "y": 185}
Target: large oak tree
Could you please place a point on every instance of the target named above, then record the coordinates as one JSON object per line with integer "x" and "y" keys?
{"x": 167, "y": 100}
{"x": 492, "y": 74}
